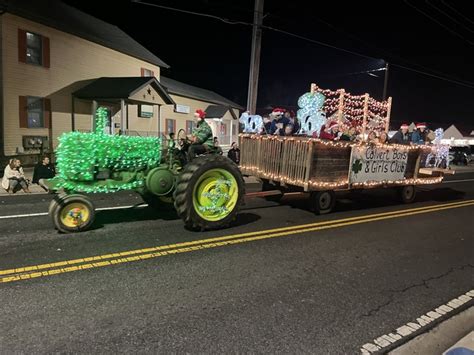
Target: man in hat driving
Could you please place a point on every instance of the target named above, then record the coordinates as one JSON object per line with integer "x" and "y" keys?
{"x": 202, "y": 140}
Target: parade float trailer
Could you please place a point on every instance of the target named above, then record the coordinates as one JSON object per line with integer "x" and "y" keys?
{"x": 321, "y": 167}
{"x": 208, "y": 191}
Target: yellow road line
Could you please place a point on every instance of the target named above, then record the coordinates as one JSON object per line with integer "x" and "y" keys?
{"x": 25, "y": 276}
{"x": 209, "y": 240}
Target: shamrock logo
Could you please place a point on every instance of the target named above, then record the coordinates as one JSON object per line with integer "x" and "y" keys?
{"x": 356, "y": 166}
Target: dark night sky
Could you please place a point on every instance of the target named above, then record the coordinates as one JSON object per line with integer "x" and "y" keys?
{"x": 211, "y": 54}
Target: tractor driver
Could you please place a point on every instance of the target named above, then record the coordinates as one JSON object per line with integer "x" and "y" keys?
{"x": 202, "y": 136}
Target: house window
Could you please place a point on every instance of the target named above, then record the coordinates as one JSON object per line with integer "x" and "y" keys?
{"x": 35, "y": 112}
{"x": 34, "y": 48}
{"x": 145, "y": 111}
{"x": 170, "y": 126}
{"x": 190, "y": 126}
{"x": 147, "y": 72}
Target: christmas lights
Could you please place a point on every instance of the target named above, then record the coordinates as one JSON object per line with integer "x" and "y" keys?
{"x": 252, "y": 123}
{"x": 310, "y": 114}
{"x": 82, "y": 156}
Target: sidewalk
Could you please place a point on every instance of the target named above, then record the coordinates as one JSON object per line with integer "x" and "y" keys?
{"x": 454, "y": 336}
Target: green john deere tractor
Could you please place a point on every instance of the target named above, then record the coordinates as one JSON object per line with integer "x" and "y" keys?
{"x": 206, "y": 192}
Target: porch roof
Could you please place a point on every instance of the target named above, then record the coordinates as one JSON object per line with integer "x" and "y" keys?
{"x": 135, "y": 90}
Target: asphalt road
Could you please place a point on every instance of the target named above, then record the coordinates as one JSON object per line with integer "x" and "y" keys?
{"x": 326, "y": 288}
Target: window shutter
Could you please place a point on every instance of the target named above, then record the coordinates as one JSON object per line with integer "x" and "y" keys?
{"x": 152, "y": 73}
{"x": 21, "y": 46}
{"x": 142, "y": 70}
{"x": 23, "y": 112}
{"x": 46, "y": 52}
{"x": 47, "y": 113}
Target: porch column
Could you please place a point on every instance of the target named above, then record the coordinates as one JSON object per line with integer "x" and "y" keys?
{"x": 73, "y": 118}
{"x": 159, "y": 120}
{"x": 94, "y": 109}
{"x": 122, "y": 116}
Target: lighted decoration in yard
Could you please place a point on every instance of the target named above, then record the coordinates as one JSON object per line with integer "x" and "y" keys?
{"x": 99, "y": 162}
{"x": 310, "y": 114}
{"x": 439, "y": 153}
{"x": 252, "y": 123}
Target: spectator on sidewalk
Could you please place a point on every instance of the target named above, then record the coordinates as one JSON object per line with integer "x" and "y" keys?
{"x": 234, "y": 153}
{"x": 43, "y": 170}
{"x": 14, "y": 177}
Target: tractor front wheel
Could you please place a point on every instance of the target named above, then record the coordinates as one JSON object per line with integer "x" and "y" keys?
{"x": 209, "y": 192}
{"x": 72, "y": 213}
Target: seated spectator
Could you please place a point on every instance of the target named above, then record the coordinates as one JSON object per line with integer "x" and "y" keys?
{"x": 43, "y": 170}
{"x": 234, "y": 153}
{"x": 349, "y": 135}
{"x": 372, "y": 138}
{"x": 289, "y": 130}
{"x": 402, "y": 136}
{"x": 293, "y": 120}
{"x": 331, "y": 132}
{"x": 267, "y": 124}
{"x": 420, "y": 135}
{"x": 383, "y": 138}
{"x": 279, "y": 121}
{"x": 279, "y": 129}
{"x": 14, "y": 178}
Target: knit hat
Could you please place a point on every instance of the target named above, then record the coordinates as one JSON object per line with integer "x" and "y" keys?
{"x": 278, "y": 111}
{"x": 200, "y": 113}
{"x": 421, "y": 125}
{"x": 404, "y": 126}
{"x": 333, "y": 124}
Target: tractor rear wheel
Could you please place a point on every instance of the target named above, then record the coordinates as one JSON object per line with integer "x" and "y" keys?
{"x": 209, "y": 192}
{"x": 72, "y": 213}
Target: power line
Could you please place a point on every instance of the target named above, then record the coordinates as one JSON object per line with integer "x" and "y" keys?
{"x": 457, "y": 12}
{"x": 250, "y": 24}
{"x": 230, "y": 22}
{"x": 439, "y": 23}
{"x": 466, "y": 84}
{"x": 318, "y": 42}
{"x": 384, "y": 52}
{"x": 434, "y": 76}
{"x": 449, "y": 16}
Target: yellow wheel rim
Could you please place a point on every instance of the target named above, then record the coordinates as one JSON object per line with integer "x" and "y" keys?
{"x": 75, "y": 214}
{"x": 215, "y": 194}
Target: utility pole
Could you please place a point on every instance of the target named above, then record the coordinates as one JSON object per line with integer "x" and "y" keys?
{"x": 255, "y": 57}
{"x": 385, "y": 83}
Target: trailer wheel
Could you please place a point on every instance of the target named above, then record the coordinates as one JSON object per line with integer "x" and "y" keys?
{"x": 209, "y": 192}
{"x": 72, "y": 213}
{"x": 322, "y": 202}
{"x": 407, "y": 193}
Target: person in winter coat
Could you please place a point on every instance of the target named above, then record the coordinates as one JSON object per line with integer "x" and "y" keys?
{"x": 420, "y": 136}
{"x": 234, "y": 153}
{"x": 14, "y": 178}
{"x": 202, "y": 136}
{"x": 402, "y": 136}
{"x": 44, "y": 170}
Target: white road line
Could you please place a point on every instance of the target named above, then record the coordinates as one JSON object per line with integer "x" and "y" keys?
{"x": 378, "y": 344}
{"x": 454, "y": 181}
{"x": 97, "y": 209}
